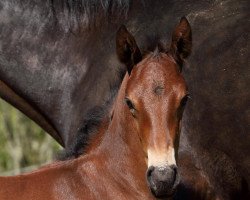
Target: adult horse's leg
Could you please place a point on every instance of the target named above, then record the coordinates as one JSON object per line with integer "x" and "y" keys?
{"x": 10, "y": 96}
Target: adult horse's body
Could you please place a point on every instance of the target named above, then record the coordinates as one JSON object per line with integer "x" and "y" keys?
{"x": 52, "y": 65}
{"x": 137, "y": 141}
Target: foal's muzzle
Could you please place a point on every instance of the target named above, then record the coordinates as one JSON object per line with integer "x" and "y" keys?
{"x": 163, "y": 180}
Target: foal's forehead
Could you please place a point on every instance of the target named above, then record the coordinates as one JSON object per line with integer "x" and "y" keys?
{"x": 158, "y": 73}
{"x": 159, "y": 65}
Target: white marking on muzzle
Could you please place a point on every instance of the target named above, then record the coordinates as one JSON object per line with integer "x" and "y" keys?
{"x": 161, "y": 159}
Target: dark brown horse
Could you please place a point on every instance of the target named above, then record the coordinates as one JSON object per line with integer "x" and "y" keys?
{"x": 57, "y": 61}
{"x": 137, "y": 142}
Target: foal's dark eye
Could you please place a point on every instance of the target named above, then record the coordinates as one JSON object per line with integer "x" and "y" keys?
{"x": 182, "y": 105}
{"x": 184, "y": 100}
{"x": 130, "y": 105}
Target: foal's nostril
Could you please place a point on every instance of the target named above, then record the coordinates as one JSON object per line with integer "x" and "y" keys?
{"x": 163, "y": 180}
{"x": 149, "y": 172}
{"x": 174, "y": 168}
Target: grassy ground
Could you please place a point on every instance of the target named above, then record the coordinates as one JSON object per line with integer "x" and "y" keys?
{"x": 24, "y": 146}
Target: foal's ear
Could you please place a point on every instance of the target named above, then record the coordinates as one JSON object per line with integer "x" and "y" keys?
{"x": 181, "y": 41}
{"x": 127, "y": 49}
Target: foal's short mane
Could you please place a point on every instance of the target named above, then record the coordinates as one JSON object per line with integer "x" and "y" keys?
{"x": 91, "y": 123}
{"x": 96, "y": 114}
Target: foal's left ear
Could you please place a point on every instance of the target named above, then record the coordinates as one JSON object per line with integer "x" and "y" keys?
{"x": 127, "y": 49}
{"x": 181, "y": 41}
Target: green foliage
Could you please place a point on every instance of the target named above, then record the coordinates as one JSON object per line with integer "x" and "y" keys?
{"x": 22, "y": 142}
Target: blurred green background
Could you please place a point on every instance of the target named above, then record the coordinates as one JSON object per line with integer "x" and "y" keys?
{"x": 24, "y": 146}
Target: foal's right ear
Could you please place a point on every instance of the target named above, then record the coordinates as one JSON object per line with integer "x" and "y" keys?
{"x": 127, "y": 49}
{"x": 181, "y": 41}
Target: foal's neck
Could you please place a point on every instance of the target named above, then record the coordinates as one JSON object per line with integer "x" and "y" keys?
{"x": 117, "y": 153}
{"x": 119, "y": 139}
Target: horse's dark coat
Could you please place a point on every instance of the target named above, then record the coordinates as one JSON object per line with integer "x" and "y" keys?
{"x": 92, "y": 121}
{"x": 76, "y": 15}
{"x": 62, "y": 68}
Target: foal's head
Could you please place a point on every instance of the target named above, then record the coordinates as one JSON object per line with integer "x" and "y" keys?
{"x": 155, "y": 95}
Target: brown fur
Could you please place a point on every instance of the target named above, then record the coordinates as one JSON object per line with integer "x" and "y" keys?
{"x": 115, "y": 163}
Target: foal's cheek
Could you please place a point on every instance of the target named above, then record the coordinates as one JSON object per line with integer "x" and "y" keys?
{"x": 144, "y": 144}
{"x": 143, "y": 136}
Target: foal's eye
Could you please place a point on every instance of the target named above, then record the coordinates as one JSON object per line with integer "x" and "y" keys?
{"x": 130, "y": 106}
{"x": 184, "y": 100}
{"x": 182, "y": 105}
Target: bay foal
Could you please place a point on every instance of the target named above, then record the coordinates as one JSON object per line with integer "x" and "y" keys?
{"x": 133, "y": 155}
